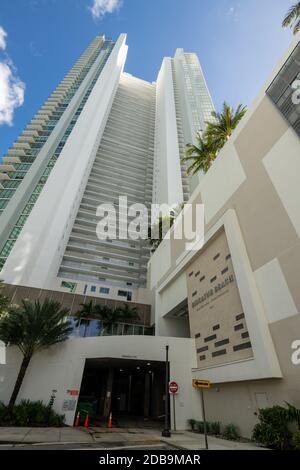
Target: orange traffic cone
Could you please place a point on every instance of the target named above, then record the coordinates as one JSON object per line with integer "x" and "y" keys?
{"x": 77, "y": 419}
{"x": 109, "y": 424}
{"x": 86, "y": 421}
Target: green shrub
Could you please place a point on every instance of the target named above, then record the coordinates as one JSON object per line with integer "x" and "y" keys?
{"x": 293, "y": 414}
{"x": 2, "y": 411}
{"x": 215, "y": 428}
{"x": 192, "y": 423}
{"x": 296, "y": 440}
{"x": 272, "y": 430}
{"x": 28, "y": 413}
{"x": 231, "y": 432}
{"x": 199, "y": 426}
{"x": 270, "y": 436}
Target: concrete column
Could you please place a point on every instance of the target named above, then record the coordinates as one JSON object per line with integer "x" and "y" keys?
{"x": 147, "y": 395}
{"x": 109, "y": 386}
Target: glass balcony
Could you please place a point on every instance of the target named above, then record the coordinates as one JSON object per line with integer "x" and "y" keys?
{"x": 93, "y": 328}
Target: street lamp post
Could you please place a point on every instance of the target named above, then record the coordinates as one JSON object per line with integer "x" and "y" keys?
{"x": 166, "y": 431}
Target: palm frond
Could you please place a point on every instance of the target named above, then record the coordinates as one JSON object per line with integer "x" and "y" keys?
{"x": 297, "y": 27}
{"x": 224, "y": 124}
{"x": 291, "y": 16}
{"x": 35, "y": 326}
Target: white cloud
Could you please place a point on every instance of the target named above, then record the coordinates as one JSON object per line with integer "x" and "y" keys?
{"x": 3, "y": 35}
{"x": 12, "y": 89}
{"x": 101, "y": 7}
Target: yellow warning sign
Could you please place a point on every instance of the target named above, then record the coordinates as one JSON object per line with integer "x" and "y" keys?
{"x": 201, "y": 383}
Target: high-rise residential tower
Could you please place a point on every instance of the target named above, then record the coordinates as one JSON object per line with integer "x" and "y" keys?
{"x": 102, "y": 134}
{"x": 183, "y": 107}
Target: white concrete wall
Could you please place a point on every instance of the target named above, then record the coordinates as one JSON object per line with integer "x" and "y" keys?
{"x": 36, "y": 256}
{"x": 164, "y": 303}
{"x": 61, "y": 368}
{"x": 140, "y": 295}
{"x": 167, "y": 186}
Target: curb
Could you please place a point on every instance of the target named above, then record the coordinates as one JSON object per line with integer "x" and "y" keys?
{"x": 178, "y": 446}
{"x": 24, "y": 443}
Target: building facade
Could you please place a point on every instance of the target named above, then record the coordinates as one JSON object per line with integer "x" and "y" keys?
{"x": 236, "y": 292}
{"x": 230, "y": 302}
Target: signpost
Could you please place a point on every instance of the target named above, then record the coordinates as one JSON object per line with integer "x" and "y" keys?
{"x": 202, "y": 384}
{"x": 166, "y": 431}
{"x": 173, "y": 390}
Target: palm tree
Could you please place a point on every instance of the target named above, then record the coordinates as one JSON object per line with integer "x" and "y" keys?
{"x": 4, "y": 301}
{"x": 201, "y": 155}
{"x": 292, "y": 18}
{"x": 220, "y": 129}
{"x": 127, "y": 313}
{"x": 158, "y": 231}
{"x": 84, "y": 316}
{"x": 32, "y": 327}
{"x": 107, "y": 316}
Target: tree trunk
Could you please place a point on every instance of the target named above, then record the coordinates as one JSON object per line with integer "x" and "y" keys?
{"x": 21, "y": 375}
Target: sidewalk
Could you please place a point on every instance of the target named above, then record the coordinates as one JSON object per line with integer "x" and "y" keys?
{"x": 186, "y": 440}
{"x": 116, "y": 437}
{"x": 9, "y": 435}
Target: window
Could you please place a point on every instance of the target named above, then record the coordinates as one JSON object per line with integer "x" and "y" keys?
{"x": 239, "y": 347}
{"x": 219, "y": 353}
{"x": 200, "y": 350}
{"x": 222, "y": 342}
{"x": 122, "y": 293}
{"x": 104, "y": 290}
{"x": 210, "y": 338}
{"x": 240, "y": 316}
{"x": 245, "y": 335}
{"x": 15, "y": 232}
{"x": 3, "y": 203}
{"x": 281, "y": 90}
{"x": 93, "y": 288}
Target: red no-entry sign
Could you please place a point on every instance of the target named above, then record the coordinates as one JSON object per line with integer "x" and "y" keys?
{"x": 173, "y": 388}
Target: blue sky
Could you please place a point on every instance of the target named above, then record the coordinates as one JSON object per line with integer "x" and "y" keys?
{"x": 238, "y": 43}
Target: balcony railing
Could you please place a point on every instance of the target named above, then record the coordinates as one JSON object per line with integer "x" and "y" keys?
{"x": 93, "y": 328}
